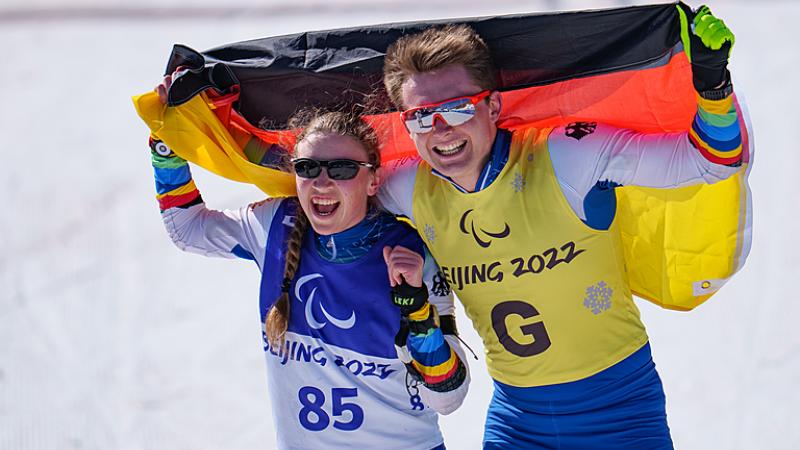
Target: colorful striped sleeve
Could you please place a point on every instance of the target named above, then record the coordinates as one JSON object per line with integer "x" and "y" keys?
{"x": 174, "y": 185}
{"x": 439, "y": 366}
{"x": 715, "y": 131}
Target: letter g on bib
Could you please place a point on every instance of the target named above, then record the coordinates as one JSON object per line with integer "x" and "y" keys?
{"x": 541, "y": 340}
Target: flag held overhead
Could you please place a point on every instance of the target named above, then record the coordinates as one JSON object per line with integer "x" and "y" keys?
{"x": 626, "y": 67}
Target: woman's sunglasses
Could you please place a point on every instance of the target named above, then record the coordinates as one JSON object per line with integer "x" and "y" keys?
{"x": 454, "y": 112}
{"x": 338, "y": 169}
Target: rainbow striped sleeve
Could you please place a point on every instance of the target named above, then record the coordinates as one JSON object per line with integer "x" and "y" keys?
{"x": 440, "y": 367}
{"x": 174, "y": 184}
{"x": 715, "y": 131}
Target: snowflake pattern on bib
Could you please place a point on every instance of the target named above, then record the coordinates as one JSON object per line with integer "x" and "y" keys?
{"x": 518, "y": 183}
{"x": 598, "y": 297}
{"x": 430, "y": 233}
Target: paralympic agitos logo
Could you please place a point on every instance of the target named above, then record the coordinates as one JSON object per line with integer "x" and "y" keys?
{"x": 480, "y": 241}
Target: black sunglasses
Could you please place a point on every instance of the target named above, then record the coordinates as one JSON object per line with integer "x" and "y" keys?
{"x": 338, "y": 169}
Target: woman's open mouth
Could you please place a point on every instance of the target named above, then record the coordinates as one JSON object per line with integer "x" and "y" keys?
{"x": 324, "y": 206}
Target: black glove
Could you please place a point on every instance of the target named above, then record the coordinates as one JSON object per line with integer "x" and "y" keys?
{"x": 409, "y": 298}
{"x": 708, "y": 49}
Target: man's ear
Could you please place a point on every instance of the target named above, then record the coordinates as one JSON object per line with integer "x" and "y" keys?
{"x": 375, "y": 184}
{"x": 495, "y": 104}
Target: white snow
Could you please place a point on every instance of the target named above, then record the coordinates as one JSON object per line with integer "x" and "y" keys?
{"x": 111, "y": 338}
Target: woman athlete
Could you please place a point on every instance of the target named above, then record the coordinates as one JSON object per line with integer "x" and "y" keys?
{"x": 332, "y": 266}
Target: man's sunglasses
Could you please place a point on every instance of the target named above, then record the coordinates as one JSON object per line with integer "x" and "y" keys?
{"x": 338, "y": 169}
{"x": 454, "y": 112}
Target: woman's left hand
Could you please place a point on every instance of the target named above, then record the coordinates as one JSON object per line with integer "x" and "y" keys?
{"x": 162, "y": 89}
{"x": 403, "y": 264}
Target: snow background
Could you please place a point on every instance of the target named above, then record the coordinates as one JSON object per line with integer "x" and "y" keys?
{"x": 111, "y": 338}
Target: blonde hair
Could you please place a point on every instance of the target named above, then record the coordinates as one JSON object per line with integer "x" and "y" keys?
{"x": 433, "y": 49}
{"x": 313, "y": 122}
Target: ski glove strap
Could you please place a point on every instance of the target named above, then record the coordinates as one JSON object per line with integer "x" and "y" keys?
{"x": 409, "y": 299}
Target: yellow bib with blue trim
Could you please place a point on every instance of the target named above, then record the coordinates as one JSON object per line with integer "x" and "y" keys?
{"x": 548, "y": 295}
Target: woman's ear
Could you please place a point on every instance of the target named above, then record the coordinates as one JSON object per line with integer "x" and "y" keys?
{"x": 375, "y": 181}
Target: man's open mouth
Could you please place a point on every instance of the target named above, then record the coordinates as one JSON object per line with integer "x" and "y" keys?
{"x": 450, "y": 149}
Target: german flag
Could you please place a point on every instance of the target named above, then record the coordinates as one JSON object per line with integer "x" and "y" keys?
{"x": 626, "y": 67}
